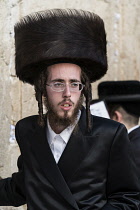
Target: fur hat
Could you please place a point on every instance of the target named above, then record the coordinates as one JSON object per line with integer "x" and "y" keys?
{"x": 56, "y": 36}
{"x": 125, "y": 93}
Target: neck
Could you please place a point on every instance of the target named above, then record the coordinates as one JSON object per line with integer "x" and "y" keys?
{"x": 57, "y": 125}
{"x": 57, "y": 129}
{"x": 128, "y": 126}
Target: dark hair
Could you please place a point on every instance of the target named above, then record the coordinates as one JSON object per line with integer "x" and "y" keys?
{"x": 87, "y": 92}
{"x": 40, "y": 91}
{"x": 39, "y": 84}
{"x": 112, "y": 107}
{"x": 127, "y": 117}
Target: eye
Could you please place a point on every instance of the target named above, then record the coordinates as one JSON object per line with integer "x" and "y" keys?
{"x": 74, "y": 84}
{"x": 58, "y": 84}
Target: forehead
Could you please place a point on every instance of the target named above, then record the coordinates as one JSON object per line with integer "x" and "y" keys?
{"x": 65, "y": 71}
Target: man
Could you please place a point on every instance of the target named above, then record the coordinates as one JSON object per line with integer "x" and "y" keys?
{"x": 69, "y": 159}
{"x": 122, "y": 99}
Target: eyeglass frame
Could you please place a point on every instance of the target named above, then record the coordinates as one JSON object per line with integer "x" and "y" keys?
{"x": 51, "y": 86}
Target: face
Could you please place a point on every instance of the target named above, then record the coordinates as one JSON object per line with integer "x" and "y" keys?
{"x": 63, "y": 104}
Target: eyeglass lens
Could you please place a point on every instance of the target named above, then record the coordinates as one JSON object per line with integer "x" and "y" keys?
{"x": 59, "y": 86}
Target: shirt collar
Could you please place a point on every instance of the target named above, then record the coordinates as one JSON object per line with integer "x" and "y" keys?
{"x": 133, "y": 128}
{"x": 65, "y": 134}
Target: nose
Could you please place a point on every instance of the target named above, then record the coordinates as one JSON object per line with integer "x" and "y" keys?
{"x": 66, "y": 92}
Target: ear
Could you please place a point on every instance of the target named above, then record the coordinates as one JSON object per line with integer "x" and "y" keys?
{"x": 117, "y": 116}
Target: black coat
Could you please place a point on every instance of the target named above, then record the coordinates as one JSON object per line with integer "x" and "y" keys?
{"x": 134, "y": 137}
{"x": 96, "y": 170}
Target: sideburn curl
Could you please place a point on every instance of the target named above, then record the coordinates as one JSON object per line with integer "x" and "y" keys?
{"x": 39, "y": 85}
{"x": 87, "y": 92}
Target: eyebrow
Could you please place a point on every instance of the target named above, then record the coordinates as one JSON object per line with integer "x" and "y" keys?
{"x": 62, "y": 80}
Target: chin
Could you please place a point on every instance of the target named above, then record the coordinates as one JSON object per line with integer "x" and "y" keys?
{"x": 66, "y": 114}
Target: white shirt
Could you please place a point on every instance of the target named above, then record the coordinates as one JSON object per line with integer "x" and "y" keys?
{"x": 133, "y": 128}
{"x": 58, "y": 142}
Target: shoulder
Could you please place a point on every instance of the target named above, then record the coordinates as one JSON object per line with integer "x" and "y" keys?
{"x": 135, "y": 135}
{"x": 27, "y": 122}
{"x": 101, "y": 124}
{"x": 136, "y": 131}
{"x": 104, "y": 121}
{"x": 26, "y": 127}
{"x": 28, "y": 119}
{"x": 107, "y": 126}
{"x": 111, "y": 133}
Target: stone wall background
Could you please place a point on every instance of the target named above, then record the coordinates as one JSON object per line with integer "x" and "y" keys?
{"x": 17, "y": 101}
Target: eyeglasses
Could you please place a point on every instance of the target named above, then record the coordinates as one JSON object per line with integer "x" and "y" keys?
{"x": 60, "y": 86}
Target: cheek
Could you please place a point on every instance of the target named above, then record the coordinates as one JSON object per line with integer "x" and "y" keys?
{"x": 53, "y": 97}
{"x": 76, "y": 97}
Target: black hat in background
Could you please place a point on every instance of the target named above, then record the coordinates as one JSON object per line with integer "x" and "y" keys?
{"x": 125, "y": 93}
{"x": 60, "y": 36}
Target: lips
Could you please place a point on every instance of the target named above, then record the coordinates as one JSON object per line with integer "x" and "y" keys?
{"x": 66, "y": 105}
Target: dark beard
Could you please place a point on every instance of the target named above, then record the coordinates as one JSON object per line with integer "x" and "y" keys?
{"x": 55, "y": 120}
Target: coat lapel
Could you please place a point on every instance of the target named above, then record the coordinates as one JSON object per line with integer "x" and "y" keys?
{"x": 74, "y": 153}
{"x": 41, "y": 150}
{"x": 76, "y": 150}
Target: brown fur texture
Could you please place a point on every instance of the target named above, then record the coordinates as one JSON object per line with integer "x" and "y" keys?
{"x": 60, "y": 35}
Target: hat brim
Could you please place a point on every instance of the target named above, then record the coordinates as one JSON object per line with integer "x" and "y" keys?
{"x": 119, "y": 98}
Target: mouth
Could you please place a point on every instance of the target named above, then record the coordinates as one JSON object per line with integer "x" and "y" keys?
{"x": 66, "y": 105}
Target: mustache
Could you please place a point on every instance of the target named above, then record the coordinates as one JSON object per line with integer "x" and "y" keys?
{"x": 66, "y": 100}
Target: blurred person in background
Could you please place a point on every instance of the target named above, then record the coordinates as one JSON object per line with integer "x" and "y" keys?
{"x": 122, "y": 99}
